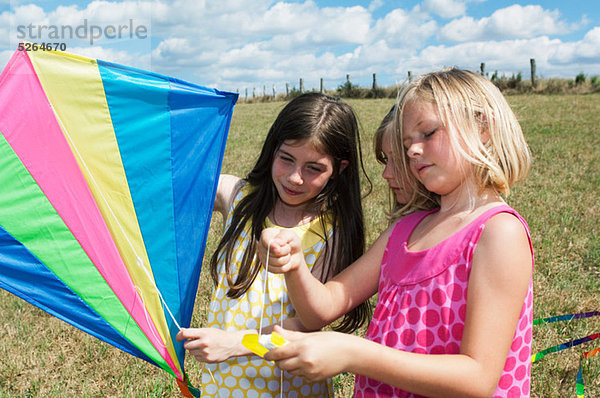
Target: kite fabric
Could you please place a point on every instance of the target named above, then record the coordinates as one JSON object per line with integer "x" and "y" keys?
{"x": 107, "y": 183}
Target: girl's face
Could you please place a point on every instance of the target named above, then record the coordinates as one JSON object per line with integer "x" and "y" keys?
{"x": 300, "y": 172}
{"x": 398, "y": 185}
{"x": 428, "y": 146}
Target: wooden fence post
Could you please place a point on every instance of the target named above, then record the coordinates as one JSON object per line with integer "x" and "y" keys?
{"x": 532, "y": 63}
{"x": 287, "y": 89}
{"x": 301, "y": 85}
{"x": 482, "y": 68}
{"x": 374, "y": 82}
{"x": 322, "y": 90}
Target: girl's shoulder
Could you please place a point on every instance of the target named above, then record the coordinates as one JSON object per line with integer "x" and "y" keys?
{"x": 504, "y": 221}
{"x": 497, "y": 229}
{"x": 227, "y": 192}
{"x": 504, "y": 227}
{"x": 497, "y": 221}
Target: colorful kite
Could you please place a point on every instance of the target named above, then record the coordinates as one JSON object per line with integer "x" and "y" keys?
{"x": 107, "y": 182}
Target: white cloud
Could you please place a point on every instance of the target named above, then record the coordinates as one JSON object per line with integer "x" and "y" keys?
{"x": 252, "y": 56}
{"x": 493, "y": 53}
{"x": 553, "y": 56}
{"x": 112, "y": 55}
{"x": 375, "y": 4}
{"x": 5, "y": 25}
{"x": 445, "y": 8}
{"x": 29, "y": 13}
{"x": 342, "y": 25}
{"x": 404, "y": 29}
{"x": 586, "y": 50}
{"x": 292, "y": 38}
{"x": 512, "y": 22}
{"x": 171, "y": 49}
{"x": 5, "y": 56}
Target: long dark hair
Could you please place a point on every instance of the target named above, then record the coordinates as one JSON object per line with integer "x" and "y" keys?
{"x": 331, "y": 126}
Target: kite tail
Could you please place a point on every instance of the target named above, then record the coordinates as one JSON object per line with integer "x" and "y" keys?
{"x": 580, "y": 386}
{"x": 535, "y": 357}
{"x": 187, "y": 390}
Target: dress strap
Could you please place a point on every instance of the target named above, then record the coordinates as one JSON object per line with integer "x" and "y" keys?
{"x": 484, "y": 218}
{"x": 406, "y": 225}
{"x": 239, "y": 195}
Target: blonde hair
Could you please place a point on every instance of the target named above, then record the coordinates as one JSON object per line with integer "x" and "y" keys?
{"x": 420, "y": 199}
{"x": 481, "y": 125}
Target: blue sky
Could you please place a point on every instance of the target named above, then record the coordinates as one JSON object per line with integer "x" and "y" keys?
{"x": 256, "y": 44}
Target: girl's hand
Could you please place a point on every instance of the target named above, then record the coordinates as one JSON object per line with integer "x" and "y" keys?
{"x": 211, "y": 345}
{"x": 313, "y": 356}
{"x": 285, "y": 250}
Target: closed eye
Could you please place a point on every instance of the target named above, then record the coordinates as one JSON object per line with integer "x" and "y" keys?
{"x": 315, "y": 169}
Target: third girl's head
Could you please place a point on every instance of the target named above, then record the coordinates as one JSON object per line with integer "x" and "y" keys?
{"x": 401, "y": 188}
{"x": 457, "y": 130}
{"x": 382, "y": 141}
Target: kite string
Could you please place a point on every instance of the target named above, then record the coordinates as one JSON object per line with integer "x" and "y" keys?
{"x": 139, "y": 261}
{"x": 141, "y": 264}
{"x": 262, "y": 311}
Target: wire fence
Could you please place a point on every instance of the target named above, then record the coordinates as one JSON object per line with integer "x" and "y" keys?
{"x": 514, "y": 84}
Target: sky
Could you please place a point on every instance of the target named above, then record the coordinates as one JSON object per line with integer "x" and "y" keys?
{"x": 262, "y": 45}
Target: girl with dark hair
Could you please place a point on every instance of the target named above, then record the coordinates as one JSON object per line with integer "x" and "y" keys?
{"x": 306, "y": 179}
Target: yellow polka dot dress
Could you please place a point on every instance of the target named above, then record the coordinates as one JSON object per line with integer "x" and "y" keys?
{"x": 251, "y": 376}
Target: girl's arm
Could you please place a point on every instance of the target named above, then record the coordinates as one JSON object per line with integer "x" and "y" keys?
{"x": 319, "y": 304}
{"x": 497, "y": 287}
{"x": 215, "y": 345}
{"x": 228, "y": 187}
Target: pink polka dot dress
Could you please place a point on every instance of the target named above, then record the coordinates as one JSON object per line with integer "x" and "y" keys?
{"x": 422, "y": 302}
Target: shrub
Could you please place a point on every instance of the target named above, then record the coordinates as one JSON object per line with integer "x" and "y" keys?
{"x": 349, "y": 90}
{"x": 555, "y": 86}
{"x": 376, "y": 93}
{"x": 505, "y": 83}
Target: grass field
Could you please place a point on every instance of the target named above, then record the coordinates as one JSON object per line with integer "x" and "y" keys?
{"x": 41, "y": 356}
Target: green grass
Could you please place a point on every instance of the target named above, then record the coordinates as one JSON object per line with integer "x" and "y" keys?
{"x": 42, "y": 356}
